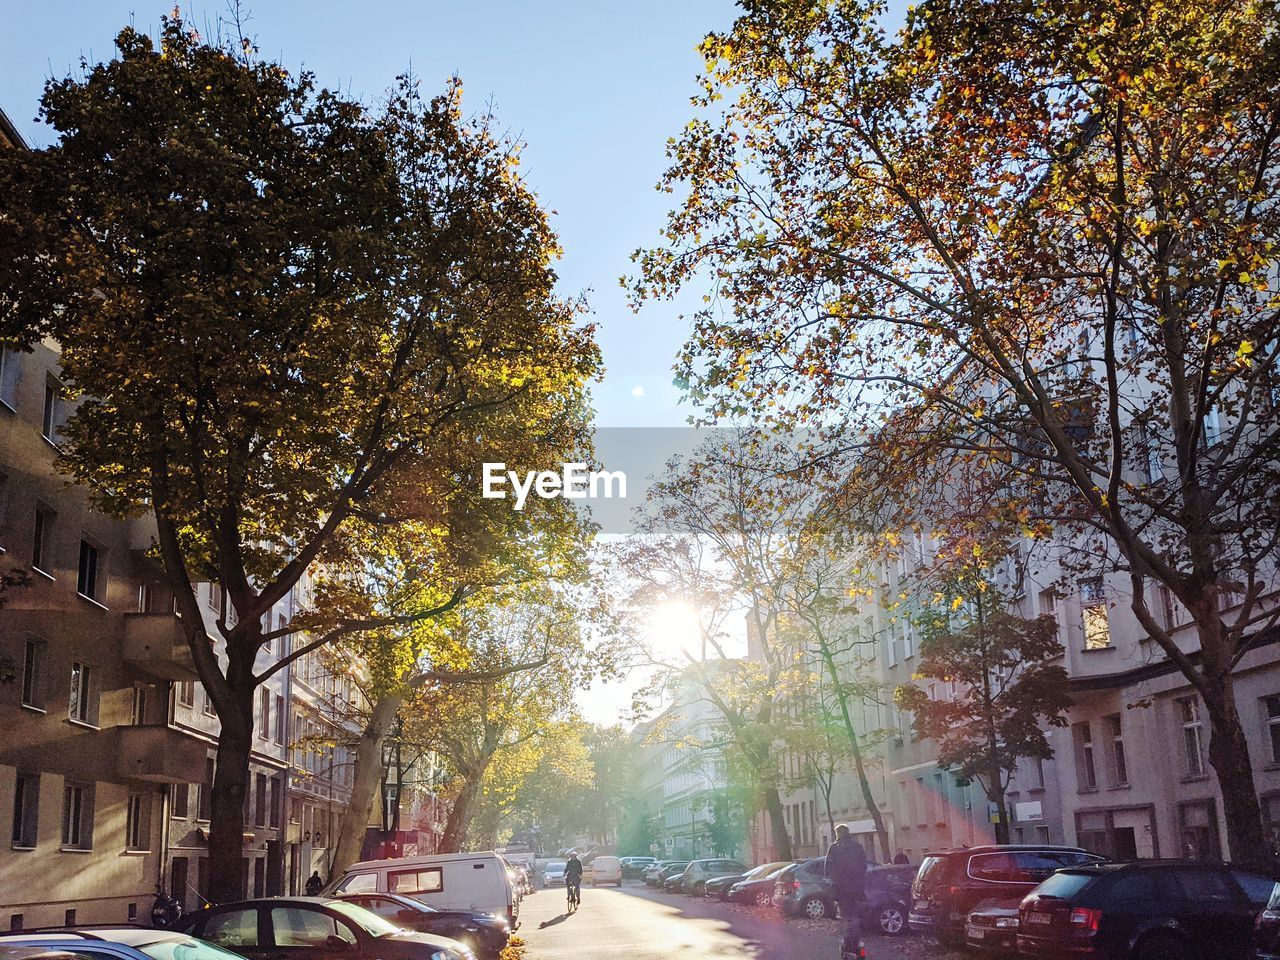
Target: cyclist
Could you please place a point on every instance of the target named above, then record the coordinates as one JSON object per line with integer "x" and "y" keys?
{"x": 573, "y": 879}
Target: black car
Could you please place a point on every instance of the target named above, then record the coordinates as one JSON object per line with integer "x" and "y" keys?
{"x": 992, "y": 927}
{"x": 314, "y": 928}
{"x": 485, "y": 933}
{"x": 718, "y": 887}
{"x": 757, "y": 886}
{"x": 1144, "y": 910}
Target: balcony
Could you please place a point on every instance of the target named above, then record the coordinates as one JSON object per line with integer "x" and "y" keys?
{"x": 156, "y": 644}
{"x": 156, "y": 753}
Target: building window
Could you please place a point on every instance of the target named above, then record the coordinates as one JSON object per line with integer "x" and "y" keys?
{"x": 207, "y": 702}
{"x": 55, "y": 410}
{"x": 26, "y": 810}
{"x": 42, "y": 539}
{"x": 187, "y": 693}
{"x": 260, "y": 800}
{"x": 83, "y": 705}
{"x": 204, "y": 800}
{"x": 1192, "y": 736}
{"x": 1119, "y": 767}
{"x": 1272, "y": 706}
{"x": 137, "y": 823}
{"x": 1198, "y": 821}
{"x": 1166, "y": 607}
{"x": 10, "y": 369}
{"x": 138, "y": 715}
{"x": 264, "y": 714}
{"x": 940, "y": 799}
{"x": 33, "y": 674}
{"x": 180, "y": 800}
{"x": 90, "y": 580}
{"x": 1048, "y": 607}
{"x": 1093, "y": 611}
{"x": 1037, "y": 770}
{"x": 1086, "y": 770}
{"x": 77, "y": 816}
{"x": 280, "y": 718}
{"x": 273, "y": 801}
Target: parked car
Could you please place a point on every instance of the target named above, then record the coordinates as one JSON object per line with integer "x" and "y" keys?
{"x": 606, "y": 869}
{"x": 477, "y": 881}
{"x": 757, "y": 885}
{"x": 673, "y": 883}
{"x": 485, "y": 933}
{"x": 671, "y": 868}
{"x": 698, "y": 872}
{"x": 1144, "y": 910}
{"x": 553, "y": 873}
{"x": 634, "y": 867}
{"x": 654, "y": 870}
{"x": 314, "y": 928}
{"x": 109, "y": 942}
{"x": 992, "y": 926}
{"x": 804, "y": 890}
{"x": 950, "y": 884}
{"x": 1266, "y": 931}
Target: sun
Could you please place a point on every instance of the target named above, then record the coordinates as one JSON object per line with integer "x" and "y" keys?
{"x": 676, "y": 625}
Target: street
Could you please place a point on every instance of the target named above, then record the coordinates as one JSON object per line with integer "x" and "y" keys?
{"x": 636, "y": 923}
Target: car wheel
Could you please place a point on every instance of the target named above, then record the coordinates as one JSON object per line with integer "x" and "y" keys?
{"x": 763, "y": 898}
{"x": 814, "y": 908}
{"x": 893, "y": 919}
{"x": 1164, "y": 946}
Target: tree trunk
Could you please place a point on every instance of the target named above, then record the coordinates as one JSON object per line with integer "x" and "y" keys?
{"x": 367, "y": 778}
{"x": 1229, "y": 755}
{"x": 777, "y": 823}
{"x": 455, "y": 829}
{"x": 226, "y": 822}
{"x": 859, "y": 764}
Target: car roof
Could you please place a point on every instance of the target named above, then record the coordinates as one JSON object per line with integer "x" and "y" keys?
{"x": 1155, "y": 864}
{"x": 1006, "y": 848}
{"x": 129, "y": 934}
{"x": 397, "y": 862}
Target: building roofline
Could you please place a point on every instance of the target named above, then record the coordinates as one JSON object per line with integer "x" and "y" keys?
{"x": 10, "y": 132}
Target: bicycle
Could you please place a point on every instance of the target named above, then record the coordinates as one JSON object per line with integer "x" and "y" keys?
{"x": 574, "y": 895}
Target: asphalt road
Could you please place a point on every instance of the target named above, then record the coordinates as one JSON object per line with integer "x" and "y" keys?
{"x": 636, "y": 923}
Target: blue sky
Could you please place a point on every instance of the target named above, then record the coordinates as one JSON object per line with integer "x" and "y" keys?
{"x": 594, "y": 88}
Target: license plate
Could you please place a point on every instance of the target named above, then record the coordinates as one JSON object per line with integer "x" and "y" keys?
{"x": 1040, "y": 919}
{"x": 976, "y": 933}
{"x": 922, "y": 904}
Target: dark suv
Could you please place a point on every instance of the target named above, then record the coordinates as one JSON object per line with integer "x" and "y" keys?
{"x": 950, "y": 884}
{"x": 1145, "y": 910}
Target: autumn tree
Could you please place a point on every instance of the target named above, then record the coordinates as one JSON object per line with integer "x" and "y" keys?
{"x": 1037, "y": 237}
{"x": 280, "y": 310}
{"x": 474, "y": 725}
{"x": 1006, "y": 673}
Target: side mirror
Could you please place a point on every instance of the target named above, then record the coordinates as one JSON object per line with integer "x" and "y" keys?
{"x": 335, "y": 942}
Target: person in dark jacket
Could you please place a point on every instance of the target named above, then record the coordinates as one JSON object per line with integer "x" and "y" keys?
{"x": 314, "y": 884}
{"x": 847, "y": 869}
{"x": 573, "y": 878}
{"x": 902, "y": 858}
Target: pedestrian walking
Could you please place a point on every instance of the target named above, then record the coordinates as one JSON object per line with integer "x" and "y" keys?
{"x": 314, "y": 884}
{"x": 902, "y": 858}
{"x": 847, "y": 869}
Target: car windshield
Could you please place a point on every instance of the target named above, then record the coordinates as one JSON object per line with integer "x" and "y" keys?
{"x": 184, "y": 948}
{"x": 367, "y": 919}
{"x": 1063, "y": 885}
{"x": 556, "y": 865}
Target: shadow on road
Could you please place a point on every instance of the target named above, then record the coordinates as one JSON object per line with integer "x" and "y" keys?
{"x": 554, "y": 920}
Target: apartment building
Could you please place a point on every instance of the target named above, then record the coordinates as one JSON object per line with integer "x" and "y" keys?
{"x": 89, "y": 651}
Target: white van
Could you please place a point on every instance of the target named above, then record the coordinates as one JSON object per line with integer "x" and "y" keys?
{"x": 447, "y": 881}
{"x": 605, "y": 870}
